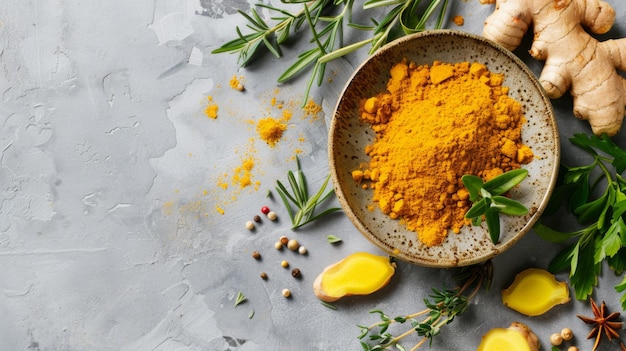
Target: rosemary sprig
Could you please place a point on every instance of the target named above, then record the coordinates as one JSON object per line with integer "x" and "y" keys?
{"x": 326, "y": 20}
{"x": 488, "y": 201}
{"x": 305, "y": 205}
{"x": 442, "y": 307}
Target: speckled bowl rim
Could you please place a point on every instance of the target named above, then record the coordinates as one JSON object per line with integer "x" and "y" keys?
{"x": 442, "y": 258}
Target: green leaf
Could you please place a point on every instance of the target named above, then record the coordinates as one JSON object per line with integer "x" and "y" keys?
{"x": 606, "y": 145}
{"x": 473, "y": 184}
{"x": 272, "y": 46}
{"x": 409, "y": 19}
{"x": 591, "y": 210}
{"x": 478, "y": 209}
{"x": 611, "y": 242}
{"x": 563, "y": 261}
{"x": 239, "y": 299}
{"x": 582, "y": 141}
{"x": 304, "y": 60}
{"x": 577, "y": 174}
{"x": 551, "y": 235}
{"x": 580, "y": 194}
{"x": 618, "y": 261}
{"x": 493, "y": 224}
{"x": 508, "y": 206}
{"x": 620, "y": 288}
{"x": 333, "y": 239}
{"x": 585, "y": 276}
{"x": 370, "y": 4}
{"x": 505, "y": 181}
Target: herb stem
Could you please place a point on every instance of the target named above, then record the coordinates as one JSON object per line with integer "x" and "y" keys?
{"x": 445, "y": 306}
{"x": 327, "y": 42}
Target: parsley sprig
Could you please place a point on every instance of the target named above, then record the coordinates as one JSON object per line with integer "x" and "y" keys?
{"x": 489, "y": 202}
{"x": 442, "y": 307}
{"x": 603, "y": 233}
{"x": 326, "y": 20}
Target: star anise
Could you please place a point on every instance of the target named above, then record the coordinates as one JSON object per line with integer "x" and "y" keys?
{"x": 602, "y": 322}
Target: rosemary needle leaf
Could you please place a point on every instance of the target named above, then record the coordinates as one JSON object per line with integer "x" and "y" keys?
{"x": 328, "y": 305}
{"x": 239, "y": 299}
{"x": 332, "y": 239}
{"x": 307, "y": 58}
{"x": 370, "y": 4}
{"x": 273, "y": 48}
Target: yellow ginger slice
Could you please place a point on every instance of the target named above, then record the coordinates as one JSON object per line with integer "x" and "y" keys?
{"x": 360, "y": 273}
{"x": 535, "y": 291}
{"x": 517, "y": 337}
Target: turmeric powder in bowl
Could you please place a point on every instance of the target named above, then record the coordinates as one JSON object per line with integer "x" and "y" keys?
{"x": 414, "y": 118}
{"x": 433, "y": 125}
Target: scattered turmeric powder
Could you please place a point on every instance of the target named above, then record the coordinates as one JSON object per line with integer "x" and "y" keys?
{"x": 211, "y": 109}
{"x": 237, "y": 83}
{"x": 458, "y": 20}
{"x": 434, "y": 125}
{"x": 243, "y": 174}
{"x": 270, "y": 130}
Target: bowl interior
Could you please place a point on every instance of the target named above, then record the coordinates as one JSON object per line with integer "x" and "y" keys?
{"x": 349, "y": 137}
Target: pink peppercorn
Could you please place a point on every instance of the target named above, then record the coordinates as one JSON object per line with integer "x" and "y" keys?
{"x": 265, "y": 210}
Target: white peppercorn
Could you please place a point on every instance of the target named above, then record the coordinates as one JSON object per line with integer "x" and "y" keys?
{"x": 249, "y": 225}
{"x": 293, "y": 244}
{"x": 272, "y": 215}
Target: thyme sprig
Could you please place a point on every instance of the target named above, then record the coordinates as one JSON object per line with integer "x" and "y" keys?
{"x": 442, "y": 307}
{"x": 488, "y": 201}
{"x": 326, "y": 20}
{"x": 603, "y": 233}
{"x": 305, "y": 205}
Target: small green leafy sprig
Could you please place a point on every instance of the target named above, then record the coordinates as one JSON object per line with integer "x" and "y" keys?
{"x": 326, "y": 20}
{"x": 442, "y": 307}
{"x": 239, "y": 299}
{"x": 603, "y": 235}
{"x": 305, "y": 205}
{"x": 488, "y": 201}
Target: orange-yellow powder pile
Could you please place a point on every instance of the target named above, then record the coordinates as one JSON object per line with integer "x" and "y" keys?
{"x": 211, "y": 109}
{"x": 434, "y": 125}
{"x": 270, "y": 130}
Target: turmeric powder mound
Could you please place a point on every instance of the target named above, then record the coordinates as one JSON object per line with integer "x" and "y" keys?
{"x": 270, "y": 130}
{"x": 434, "y": 125}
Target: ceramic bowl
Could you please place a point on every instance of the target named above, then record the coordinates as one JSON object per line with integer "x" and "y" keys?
{"x": 349, "y": 136}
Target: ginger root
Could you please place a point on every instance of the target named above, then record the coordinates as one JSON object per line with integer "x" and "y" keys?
{"x": 360, "y": 273}
{"x": 517, "y": 337}
{"x": 574, "y": 60}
